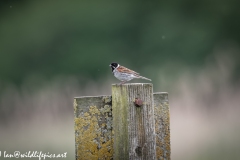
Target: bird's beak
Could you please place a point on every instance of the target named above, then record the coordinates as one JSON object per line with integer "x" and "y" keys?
{"x": 109, "y": 65}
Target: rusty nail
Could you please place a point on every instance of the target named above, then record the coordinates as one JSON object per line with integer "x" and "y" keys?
{"x": 138, "y": 102}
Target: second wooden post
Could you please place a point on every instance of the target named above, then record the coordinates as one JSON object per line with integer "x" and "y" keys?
{"x": 133, "y": 124}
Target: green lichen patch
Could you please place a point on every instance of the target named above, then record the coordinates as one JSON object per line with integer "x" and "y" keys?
{"x": 162, "y": 126}
{"x": 107, "y": 99}
{"x": 75, "y": 106}
{"x": 120, "y": 111}
{"x": 93, "y": 137}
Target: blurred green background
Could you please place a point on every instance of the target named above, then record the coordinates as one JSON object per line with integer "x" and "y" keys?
{"x": 51, "y": 51}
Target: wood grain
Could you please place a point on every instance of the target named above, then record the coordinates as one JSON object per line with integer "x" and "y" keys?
{"x": 134, "y": 127}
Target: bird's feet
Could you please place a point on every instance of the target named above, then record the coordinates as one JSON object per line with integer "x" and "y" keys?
{"x": 122, "y": 82}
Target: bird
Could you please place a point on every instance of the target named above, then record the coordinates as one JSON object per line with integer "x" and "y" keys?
{"x": 124, "y": 74}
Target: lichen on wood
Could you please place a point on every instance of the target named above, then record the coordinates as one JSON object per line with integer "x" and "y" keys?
{"x": 138, "y": 118}
{"x": 93, "y": 128}
{"x": 162, "y": 125}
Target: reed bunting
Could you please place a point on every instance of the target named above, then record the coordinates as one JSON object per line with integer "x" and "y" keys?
{"x": 124, "y": 74}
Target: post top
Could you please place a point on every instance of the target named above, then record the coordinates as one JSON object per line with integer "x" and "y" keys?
{"x": 128, "y": 84}
{"x": 160, "y": 93}
{"x": 92, "y": 96}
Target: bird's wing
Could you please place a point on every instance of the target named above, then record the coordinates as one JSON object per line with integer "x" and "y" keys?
{"x": 126, "y": 70}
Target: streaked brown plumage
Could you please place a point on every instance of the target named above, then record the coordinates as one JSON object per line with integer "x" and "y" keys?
{"x": 124, "y": 74}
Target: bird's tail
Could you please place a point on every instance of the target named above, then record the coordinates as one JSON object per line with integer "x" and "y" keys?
{"x": 144, "y": 78}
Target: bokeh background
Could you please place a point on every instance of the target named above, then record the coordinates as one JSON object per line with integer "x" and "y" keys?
{"x": 53, "y": 51}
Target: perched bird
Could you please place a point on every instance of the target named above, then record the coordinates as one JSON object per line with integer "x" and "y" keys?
{"x": 124, "y": 74}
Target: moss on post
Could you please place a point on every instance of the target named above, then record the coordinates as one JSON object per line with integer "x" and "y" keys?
{"x": 93, "y": 128}
{"x": 134, "y": 126}
{"x": 162, "y": 125}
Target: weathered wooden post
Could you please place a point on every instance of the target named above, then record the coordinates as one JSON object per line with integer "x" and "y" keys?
{"x": 121, "y": 126}
{"x": 162, "y": 125}
{"x": 93, "y": 128}
{"x": 134, "y": 128}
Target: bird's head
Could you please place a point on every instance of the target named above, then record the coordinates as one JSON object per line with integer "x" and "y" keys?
{"x": 114, "y": 65}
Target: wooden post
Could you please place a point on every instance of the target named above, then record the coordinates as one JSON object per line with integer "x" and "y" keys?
{"x": 93, "y": 128}
{"x": 134, "y": 126}
{"x": 139, "y": 131}
{"x": 162, "y": 125}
